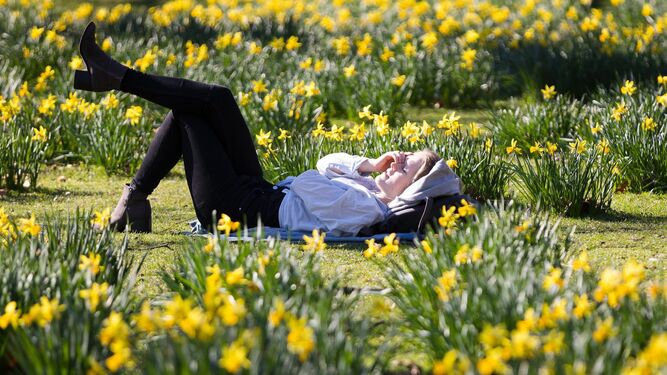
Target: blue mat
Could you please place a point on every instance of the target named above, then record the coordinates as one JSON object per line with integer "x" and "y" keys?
{"x": 250, "y": 234}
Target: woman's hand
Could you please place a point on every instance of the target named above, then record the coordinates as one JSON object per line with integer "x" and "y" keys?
{"x": 383, "y": 162}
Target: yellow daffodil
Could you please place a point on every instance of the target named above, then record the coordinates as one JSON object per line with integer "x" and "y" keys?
{"x": 381, "y": 123}
{"x": 235, "y": 277}
{"x": 619, "y": 111}
{"x": 429, "y": 40}
{"x": 292, "y": 43}
{"x": 493, "y": 362}
{"x": 107, "y": 44}
{"x": 553, "y": 282}
{"x": 537, "y": 148}
{"x": 488, "y": 145}
{"x": 284, "y": 134}
{"x": 628, "y": 88}
{"x": 316, "y": 242}
{"x": 386, "y": 54}
{"x": 523, "y": 344}
{"x": 211, "y": 244}
{"x": 227, "y": 225}
{"x": 662, "y": 99}
{"x": 461, "y": 255}
{"x": 306, "y": 64}
{"x": 234, "y": 358}
{"x": 595, "y": 129}
{"x": 43, "y": 312}
{"x": 39, "y": 134}
{"x": 513, "y": 148}
{"x": 115, "y": 334}
{"x": 277, "y": 313}
{"x": 468, "y": 59}
{"x": 578, "y": 146}
{"x": 258, "y": 86}
{"x": 446, "y": 283}
{"x": 101, "y": 218}
{"x": 91, "y": 263}
{"x": 341, "y": 45}
{"x": 24, "y": 91}
{"x": 425, "y": 129}
{"x": 244, "y": 98}
{"x": 232, "y": 310}
{"x": 94, "y": 295}
{"x": 47, "y": 105}
{"x": 366, "y": 113}
{"x": 426, "y": 246}
{"x": 452, "y": 163}
{"x": 582, "y": 306}
{"x": 349, "y": 71}
{"x": 270, "y": 102}
{"x": 548, "y": 92}
{"x": 35, "y": 32}
{"x": 604, "y": 329}
{"x": 453, "y": 362}
{"x": 11, "y": 316}
{"x": 358, "y": 132}
{"x": 300, "y": 339}
{"x": 277, "y": 44}
{"x": 648, "y": 124}
{"x": 553, "y": 342}
{"x": 581, "y": 263}
{"x": 29, "y": 226}
{"x": 603, "y": 146}
{"x": 134, "y": 114}
{"x": 364, "y": 46}
{"x": 448, "y": 218}
{"x": 372, "y": 248}
{"x": 146, "y": 320}
{"x": 390, "y": 245}
{"x": 76, "y": 63}
{"x": 409, "y": 50}
{"x": 110, "y": 101}
{"x": 398, "y": 80}
{"x": 552, "y": 148}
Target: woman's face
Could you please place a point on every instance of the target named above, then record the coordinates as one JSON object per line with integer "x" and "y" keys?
{"x": 395, "y": 179}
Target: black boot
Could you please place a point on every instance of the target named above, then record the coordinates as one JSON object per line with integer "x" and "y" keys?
{"x": 132, "y": 208}
{"x": 104, "y": 73}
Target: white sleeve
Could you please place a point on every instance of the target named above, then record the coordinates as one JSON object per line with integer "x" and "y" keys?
{"x": 341, "y": 164}
{"x": 343, "y": 210}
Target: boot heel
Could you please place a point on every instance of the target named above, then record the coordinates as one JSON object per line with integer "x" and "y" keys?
{"x": 141, "y": 225}
{"x": 82, "y": 80}
{"x": 140, "y": 218}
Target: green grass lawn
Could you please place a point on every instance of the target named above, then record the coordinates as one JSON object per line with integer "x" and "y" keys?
{"x": 635, "y": 227}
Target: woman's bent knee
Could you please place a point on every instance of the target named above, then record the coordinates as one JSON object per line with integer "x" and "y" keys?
{"x": 220, "y": 94}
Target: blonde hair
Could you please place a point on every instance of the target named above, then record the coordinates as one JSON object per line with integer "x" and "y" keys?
{"x": 429, "y": 162}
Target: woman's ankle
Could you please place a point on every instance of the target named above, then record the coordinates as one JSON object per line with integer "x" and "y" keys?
{"x": 139, "y": 188}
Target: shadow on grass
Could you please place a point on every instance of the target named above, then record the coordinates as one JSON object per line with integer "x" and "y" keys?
{"x": 618, "y": 216}
{"x": 44, "y": 193}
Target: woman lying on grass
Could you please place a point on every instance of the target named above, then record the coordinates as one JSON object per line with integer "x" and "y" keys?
{"x": 205, "y": 127}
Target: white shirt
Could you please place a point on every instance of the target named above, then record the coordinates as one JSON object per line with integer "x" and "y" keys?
{"x": 335, "y": 198}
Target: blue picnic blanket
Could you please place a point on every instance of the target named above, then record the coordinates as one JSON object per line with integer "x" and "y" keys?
{"x": 249, "y": 234}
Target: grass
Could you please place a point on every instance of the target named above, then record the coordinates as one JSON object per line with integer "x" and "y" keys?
{"x": 635, "y": 227}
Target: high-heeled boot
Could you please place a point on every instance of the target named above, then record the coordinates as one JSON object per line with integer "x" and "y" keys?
{"x": 133, "y": 208}
{"x": 103, "y": 73}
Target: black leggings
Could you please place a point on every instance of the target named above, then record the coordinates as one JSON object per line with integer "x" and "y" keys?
{"x": 205, "y": 127}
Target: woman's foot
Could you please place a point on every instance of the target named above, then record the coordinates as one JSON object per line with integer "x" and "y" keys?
{"x": 134, "y": 209}
{"x": 103, "y": 73}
